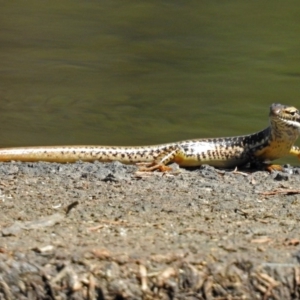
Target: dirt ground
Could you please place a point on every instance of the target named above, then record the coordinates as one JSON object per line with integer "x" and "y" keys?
{"x": 104, "y": 231}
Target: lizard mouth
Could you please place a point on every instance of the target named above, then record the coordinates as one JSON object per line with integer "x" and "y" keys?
{"x": 286, "y": 115}
{"x": 292, "y": 123}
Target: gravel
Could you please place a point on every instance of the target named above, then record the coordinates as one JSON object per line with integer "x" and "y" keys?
{"x": 107, "y": 231}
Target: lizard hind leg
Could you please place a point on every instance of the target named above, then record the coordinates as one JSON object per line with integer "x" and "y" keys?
{"x": 170, "y": 155}
{"x": 149, "y": 167}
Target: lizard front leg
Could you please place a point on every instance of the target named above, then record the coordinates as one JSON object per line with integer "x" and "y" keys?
{"x": 261, "y": 160}
{"x": 295, "y": 150}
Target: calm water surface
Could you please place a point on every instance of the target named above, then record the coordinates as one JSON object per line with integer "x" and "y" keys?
{"x": 135, "y": 72}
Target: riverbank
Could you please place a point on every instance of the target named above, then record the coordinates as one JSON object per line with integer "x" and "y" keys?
{"x": 104, "y": 231}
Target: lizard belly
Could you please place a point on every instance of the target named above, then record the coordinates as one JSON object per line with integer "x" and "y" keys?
{"x": 197, "y": 153}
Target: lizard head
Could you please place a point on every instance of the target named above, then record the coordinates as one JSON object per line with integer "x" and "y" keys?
{"x": 282, "y": 116}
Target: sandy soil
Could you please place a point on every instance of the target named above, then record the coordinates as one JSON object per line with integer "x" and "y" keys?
{"x": 103, "y": 231}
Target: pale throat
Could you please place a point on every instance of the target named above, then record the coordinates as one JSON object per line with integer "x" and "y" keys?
{"x": 285, "y": 130}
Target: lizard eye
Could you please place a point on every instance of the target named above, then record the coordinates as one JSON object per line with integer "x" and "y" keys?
{"x": 294, "y": 112}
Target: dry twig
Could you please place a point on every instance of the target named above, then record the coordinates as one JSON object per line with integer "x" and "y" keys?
{"x": 280, "y": 191}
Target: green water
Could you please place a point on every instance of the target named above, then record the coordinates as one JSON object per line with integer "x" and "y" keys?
{"x": 143, "y": 72}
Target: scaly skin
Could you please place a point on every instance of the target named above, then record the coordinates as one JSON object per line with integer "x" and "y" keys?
{"x": 269, "y": 144}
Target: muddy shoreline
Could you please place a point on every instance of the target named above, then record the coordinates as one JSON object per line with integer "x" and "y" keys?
{"x": 103, "y": 231}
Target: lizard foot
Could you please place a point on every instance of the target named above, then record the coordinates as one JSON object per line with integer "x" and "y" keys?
{"x": 272, "y": 168}
{"x": 149, "y": 167}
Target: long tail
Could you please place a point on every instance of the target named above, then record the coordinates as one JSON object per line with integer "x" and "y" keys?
{"x": 66, "y": 154}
